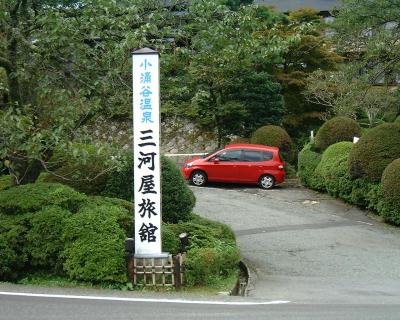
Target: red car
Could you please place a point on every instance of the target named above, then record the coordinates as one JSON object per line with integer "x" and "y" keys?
{"x": 241, "y": 163}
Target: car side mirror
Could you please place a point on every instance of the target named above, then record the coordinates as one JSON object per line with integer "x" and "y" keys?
{"x": 216, "y": 160}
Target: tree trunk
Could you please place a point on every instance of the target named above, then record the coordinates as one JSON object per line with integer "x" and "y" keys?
{"x": 26, "y": 171}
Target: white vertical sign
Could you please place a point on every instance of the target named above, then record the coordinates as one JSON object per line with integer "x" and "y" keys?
{"x": 146, "y": 151}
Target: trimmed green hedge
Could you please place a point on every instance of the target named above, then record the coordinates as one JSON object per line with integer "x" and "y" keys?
{"x": 94, "y": 249}
{"x": 391, "y": 193}
{"x": 33, "y": 197}
{"x": 308, "y": 161}
{"x": 374, "y": 151}
{"x": 332, "y": 170}
{"x": 275, "y": 136}
{"x": 66, "y": 233}
{"x": 335, "y": 130}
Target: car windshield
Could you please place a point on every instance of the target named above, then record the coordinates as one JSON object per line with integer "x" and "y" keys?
{"x": 210, "y": 153}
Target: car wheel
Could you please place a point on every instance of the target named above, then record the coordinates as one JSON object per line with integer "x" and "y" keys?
{"x": 198, "y": 178}
{"x": 267, "y": 181}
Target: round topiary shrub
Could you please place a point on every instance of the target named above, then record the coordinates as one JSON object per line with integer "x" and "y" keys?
{"x": 390, "y": 209}
{"x": 275, "y": 136}
{"x": 374, "y": 151}
{"x": 333, "y": 170}
{"x": 335, "y": 130}
{"x": 177, "y": 199}
{"x": 308, "y": 161}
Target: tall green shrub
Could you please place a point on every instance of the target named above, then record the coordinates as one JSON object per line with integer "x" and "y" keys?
{"x": 335, "y": 130}
{"x": 333, "y": 172}
{"x": 177, "y": 199}
{"x": 276, "y": 137}
{"x": 374, "y": 151}
{"x": 390, "y": 209}
{"x": 308, "y": 161}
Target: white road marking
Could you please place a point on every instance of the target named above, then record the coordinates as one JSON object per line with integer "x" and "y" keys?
{"x": 62, "y": 296}
{"x": 370, "y": 224}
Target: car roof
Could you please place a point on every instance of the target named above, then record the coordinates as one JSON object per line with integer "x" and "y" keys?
{"x": 250, "y": 145}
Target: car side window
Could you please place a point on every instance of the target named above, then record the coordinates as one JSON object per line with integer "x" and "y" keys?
{"x": 267, "y": 156}
{"x": 252, "y": 156}
{"x": 228, "y": 156}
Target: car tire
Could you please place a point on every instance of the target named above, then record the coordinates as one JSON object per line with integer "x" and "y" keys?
{"x": 266, "y": 181}
{"x": 198, "y": 178}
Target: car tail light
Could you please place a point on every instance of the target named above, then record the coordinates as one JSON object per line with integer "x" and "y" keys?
{"x": 281, "y": 166}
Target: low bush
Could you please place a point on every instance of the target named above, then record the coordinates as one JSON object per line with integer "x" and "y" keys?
{"x": 365, "y": 193}
{"x": 374, "y": 151}
{"x": 308, "y": 161}
{"x": 33, "y": 197}
{"x": 332, "y": 170}
{"x": 391, "y": 193}
{"x": 276, "y": 137}
{"x": 94, "y": 244}
{"x": 205, "y": 265}
{"x": 13, "y": 257}
{"x": 44, "y": 242}
{"x": 335, "y": 130}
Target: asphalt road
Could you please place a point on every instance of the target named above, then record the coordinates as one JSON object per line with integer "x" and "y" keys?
{"x": 306, "y": 247}
{"x": 43, "y": 308}
{"x": 322, "y": 258}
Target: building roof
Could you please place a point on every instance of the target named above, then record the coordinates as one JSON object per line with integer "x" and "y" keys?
{"x": 290, "y": 5}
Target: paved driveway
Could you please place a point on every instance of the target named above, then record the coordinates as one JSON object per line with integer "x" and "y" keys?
{"x": 308, "y": 247}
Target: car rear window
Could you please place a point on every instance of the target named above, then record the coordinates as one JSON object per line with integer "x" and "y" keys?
{"x": 256, "y": 155}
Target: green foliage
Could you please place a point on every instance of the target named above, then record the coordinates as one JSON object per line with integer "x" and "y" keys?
{"x": 170, "y": 240}
{"x": 221, "y": 230}
{"x": 86, "y": 174}
{"x": 13, "y": 257}
{"x": 391, "y": 193}
{"x": 276, "y": 137}
{"x": 374, "y": 151}
{"x": 204, "y": 265}
{"x": 365, "y": 194}
{"x": 301, "y": 115}
{"x": 332, "y": 169}
{"x": 308, "y": 161}
{"x": 33, "y": 197}
{"x": 335, "y": 130}
{"x": 94, "y": 244}
{"x": 44, "y": 242}
{"x": 177, "y": 199}
{"x": 5, "y": 182}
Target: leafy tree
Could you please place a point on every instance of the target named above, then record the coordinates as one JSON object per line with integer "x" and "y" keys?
{"x": 366, "y": 33}
{"x": 310, "y": 52}
{"x": 63, "y": 69}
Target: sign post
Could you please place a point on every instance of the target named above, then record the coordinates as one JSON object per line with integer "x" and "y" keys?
{"x": 146, "y": 152}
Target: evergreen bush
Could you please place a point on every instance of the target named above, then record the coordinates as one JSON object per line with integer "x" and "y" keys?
{"x": 390, "y": 209}
{"x": 44, "y": 243}
{"x": 335, "y": 130}
{"x": 374, "y": 151}
{"x": 276, "y": 137}
{"x": 205, "y": 265}
{"x": 177, "y": 199}
{"x": 94, "y": 244}
{"x": 308, "y": 161}
{"x": 333, "y": 172}
{"x": 33, "y": 197}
